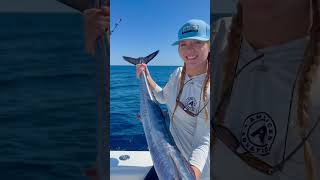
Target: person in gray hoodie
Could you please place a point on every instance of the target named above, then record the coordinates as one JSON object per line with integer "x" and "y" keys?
{"x": 265, "y": 102}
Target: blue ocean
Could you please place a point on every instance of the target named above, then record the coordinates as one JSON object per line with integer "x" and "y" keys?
{"x": 47, "y": 99}
{"x": 126, "y": 132}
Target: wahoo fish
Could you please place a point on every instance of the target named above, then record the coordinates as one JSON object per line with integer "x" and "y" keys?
{"x": 167, "y": 159}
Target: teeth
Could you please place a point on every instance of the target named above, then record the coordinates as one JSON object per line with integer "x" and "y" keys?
{"x": 191, "y": 57}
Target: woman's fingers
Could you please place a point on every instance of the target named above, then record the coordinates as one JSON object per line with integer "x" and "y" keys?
{"x": 96, "y": 24}
{"x": 140, "y": 68}
{"x": 105, "y": 11}
{"x": 146, "y": 70}
{"x": 102, "y": 24}
{"x": 103, "y": 19}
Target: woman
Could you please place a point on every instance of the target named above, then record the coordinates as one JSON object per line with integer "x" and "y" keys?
{"x": 266, "y": 119}
{"x": 189, "y": 126}
{"x": 186, "y": 95}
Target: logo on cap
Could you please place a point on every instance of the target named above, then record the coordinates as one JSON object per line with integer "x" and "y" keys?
{"x": 192, "y": 28}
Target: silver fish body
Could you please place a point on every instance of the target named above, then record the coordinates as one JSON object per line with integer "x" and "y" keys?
{"x": 168, "y": 161}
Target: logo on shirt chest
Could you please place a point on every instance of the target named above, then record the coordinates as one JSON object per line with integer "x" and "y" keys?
{"x": 258, "y": 133}
{"x": 190, "y": 104}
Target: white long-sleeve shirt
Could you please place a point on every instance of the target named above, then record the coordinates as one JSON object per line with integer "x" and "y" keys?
{"x": 259, "y": 108}
{"x": 191, "y": 134}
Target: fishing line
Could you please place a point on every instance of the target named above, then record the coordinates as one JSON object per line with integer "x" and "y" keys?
{"x": 115, "y": 26}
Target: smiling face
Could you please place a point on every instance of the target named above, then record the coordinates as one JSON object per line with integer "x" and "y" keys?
{"x": 194, "y": 53}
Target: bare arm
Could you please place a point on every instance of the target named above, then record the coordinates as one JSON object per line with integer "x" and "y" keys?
{"x": 151, "y": 82}
{"x": 162, "y": 95}
{"x": 197, "y": 172}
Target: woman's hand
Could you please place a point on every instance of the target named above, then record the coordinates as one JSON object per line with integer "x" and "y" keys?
{"x": 96, "y": 22}
{"x": 140, "y": 68}
{"x": 143, "y": 67}
{"x": 197, "y": 172}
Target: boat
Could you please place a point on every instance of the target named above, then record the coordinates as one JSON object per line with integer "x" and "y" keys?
{"x": 129, "y": 165}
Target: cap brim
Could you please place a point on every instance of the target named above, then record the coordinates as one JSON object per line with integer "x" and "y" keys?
{"x": 188, "y": 38}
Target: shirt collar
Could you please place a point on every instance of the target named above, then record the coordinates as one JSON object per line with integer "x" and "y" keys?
{"x": 294, "y": 49}
{"x": 199, "y": 77}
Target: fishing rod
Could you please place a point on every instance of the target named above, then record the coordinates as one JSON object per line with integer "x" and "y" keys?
{"x": 115, "y": 26}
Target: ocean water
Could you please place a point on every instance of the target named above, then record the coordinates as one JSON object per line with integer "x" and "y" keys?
{"x": 126, "y": 131}
{"x": 47, "y": 98}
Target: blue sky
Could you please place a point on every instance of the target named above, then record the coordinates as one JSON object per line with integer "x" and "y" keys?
{"x": 149, "y": 25}
{"x": 220, "y": 6}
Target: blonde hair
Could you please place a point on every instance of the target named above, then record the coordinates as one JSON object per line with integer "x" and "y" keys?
{"x": 206, "y": 84}
{"x": 182, "y": 78}
{"x": 309, "y": 69}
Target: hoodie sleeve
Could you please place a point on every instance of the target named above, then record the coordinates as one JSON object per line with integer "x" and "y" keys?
{"x": 163, "y": 94}
{"x": 201, "y": 141}
{"x": 315, "y": 115}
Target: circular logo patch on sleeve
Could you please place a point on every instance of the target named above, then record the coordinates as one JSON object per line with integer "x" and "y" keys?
{"x": 258, "y": 133}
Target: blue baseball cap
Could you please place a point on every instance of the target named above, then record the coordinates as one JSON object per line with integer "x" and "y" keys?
{"x": 194, "y": 29}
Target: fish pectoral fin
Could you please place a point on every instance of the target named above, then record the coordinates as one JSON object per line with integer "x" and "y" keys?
{"x": 139, "y": 117}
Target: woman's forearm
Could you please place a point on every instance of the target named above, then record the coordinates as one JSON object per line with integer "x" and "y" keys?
{"x": 197, "y": 172}
{"x": 151, "y": 82}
